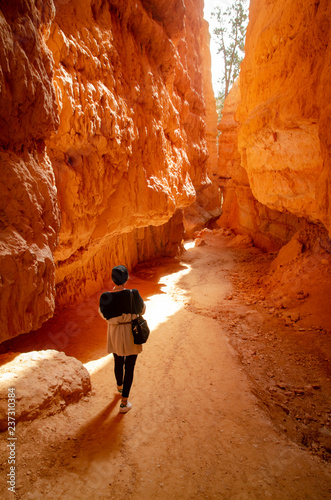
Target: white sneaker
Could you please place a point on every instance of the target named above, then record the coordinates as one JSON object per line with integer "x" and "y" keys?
{"x": 125, "y": 408}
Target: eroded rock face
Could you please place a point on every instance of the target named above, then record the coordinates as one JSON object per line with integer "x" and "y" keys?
{"x": 115, "y": 74}
{"x": 43, "y": 383}
{"x": 211, "y": 112}
{"x": 130, "y": 149}
{"x": 86, "y": 275}
{"x": 242, "y": 212}
{"x": 28, "y": 111}
{"x": 30, "y": 221}
{"x": 207, "y": 205}
{"x": 284, "y": 138}
{"x": 30, "y": 224}
{"x": 105, "y": 101}
{"x": 274, "y": 163}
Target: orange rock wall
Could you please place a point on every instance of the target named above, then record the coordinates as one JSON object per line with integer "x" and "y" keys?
{"x": 29, "y": 215}
{"x": 211, "y": 112}
{"x": 207, "y": 205}
{"x": 131, "y": 148}
{"x": 284, "y": 113}
{"x": 241, "y": 212}
{"x": 103, "y": 128}
{"x": 130, "y": 113}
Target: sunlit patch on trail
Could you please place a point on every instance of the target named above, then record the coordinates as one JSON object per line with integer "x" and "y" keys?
{"x": 189, "y": 244}
{"x": 98, "y": 364}
{"x": 160, "y": 307}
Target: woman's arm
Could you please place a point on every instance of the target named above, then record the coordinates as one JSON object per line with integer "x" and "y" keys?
{"x": 139, "y": 304}
{"x": 104, "y": 305}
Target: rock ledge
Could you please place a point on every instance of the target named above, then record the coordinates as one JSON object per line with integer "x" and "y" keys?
{"x": 45, "y": 382}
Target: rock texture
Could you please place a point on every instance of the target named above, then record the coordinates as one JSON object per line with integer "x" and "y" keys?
{"x": 284, "y": 138}
{"x": 105, "y": 101}
{"x": 241, "y": 211}
{"x": 43, "y": 382}
{"x": 207, "y": 205}
{"x": 211, "y": 112}
{"x": 274, "y": 162}
{"x": 85, "y": 274}
{"x": 131, "y": 145}
{"x": 205, "y": 209}
{"x": 29, "y": 215}
{"x": 130, "y": 148}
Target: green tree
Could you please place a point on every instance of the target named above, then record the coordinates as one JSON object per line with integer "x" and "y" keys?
{"x": 220, "y": 103}
{"x": 230, "y": 35}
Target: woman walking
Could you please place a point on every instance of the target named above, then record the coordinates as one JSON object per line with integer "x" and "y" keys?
{"x": 115, "y": 308}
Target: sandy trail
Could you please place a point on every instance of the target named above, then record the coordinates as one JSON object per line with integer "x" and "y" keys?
{"x": 195, "y": 431}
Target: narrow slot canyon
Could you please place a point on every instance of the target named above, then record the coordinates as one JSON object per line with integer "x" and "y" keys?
{"x": 111, "y": 154}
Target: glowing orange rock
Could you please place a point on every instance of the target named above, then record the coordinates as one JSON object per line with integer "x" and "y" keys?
{"x": 284, "y": 136}
{"x": 108, "y": 98}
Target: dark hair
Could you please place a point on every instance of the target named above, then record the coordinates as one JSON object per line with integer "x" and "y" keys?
{"x": 119, "y": 275}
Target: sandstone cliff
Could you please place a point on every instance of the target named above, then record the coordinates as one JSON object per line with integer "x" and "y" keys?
{"x": 29, "y": 221}
{"x": 207, "y": 205}
{"x": 103, "y": 127}
{"x": 130, "y": 148}
{"x": 284, "y": 138}
{"x": 274, "y": 153}
{"x": 241, "y": 211}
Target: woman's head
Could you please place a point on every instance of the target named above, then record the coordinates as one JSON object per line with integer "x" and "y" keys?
{"x": 119, "y": 275}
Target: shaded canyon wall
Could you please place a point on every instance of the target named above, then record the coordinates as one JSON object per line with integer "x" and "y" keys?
{"x": 30, "y": 218}
{"x": 207, "y": 205}
{"x": 103, "y": 142}
{"x": 274, "y": 162}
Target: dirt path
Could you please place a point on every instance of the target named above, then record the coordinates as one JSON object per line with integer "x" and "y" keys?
{"x": 196, "y": 430}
